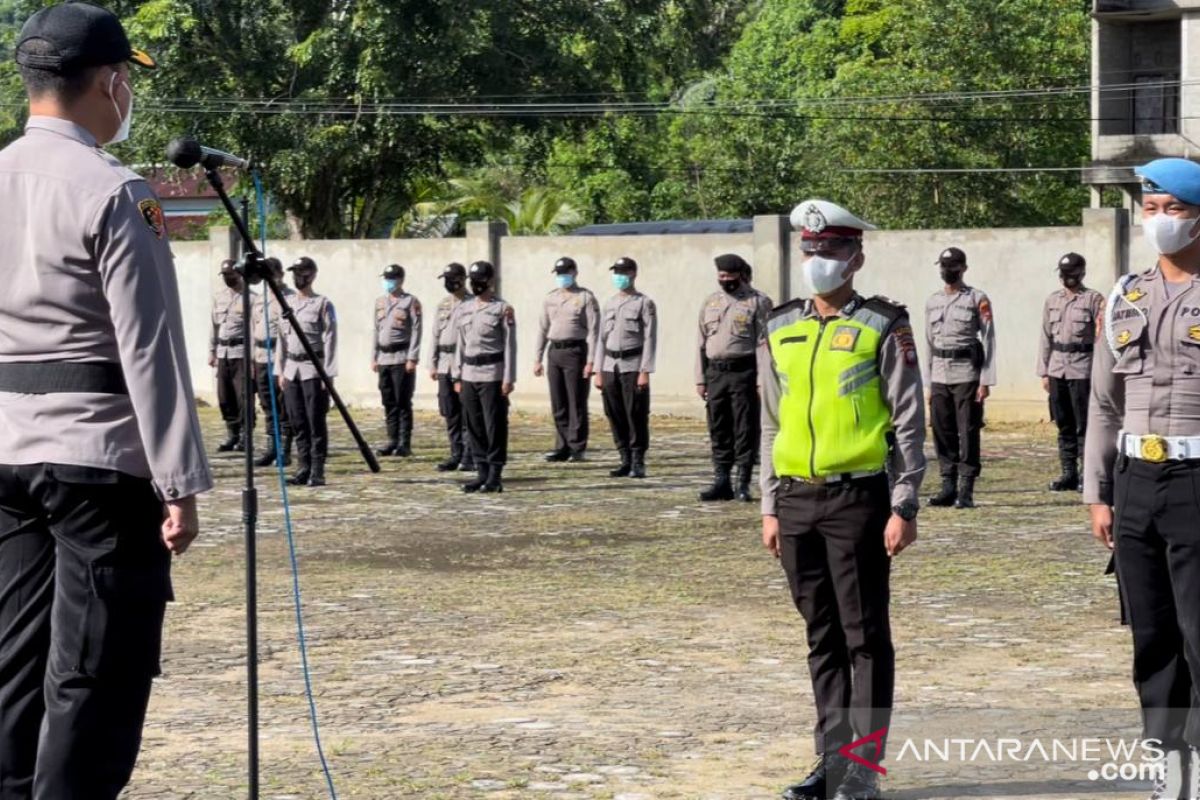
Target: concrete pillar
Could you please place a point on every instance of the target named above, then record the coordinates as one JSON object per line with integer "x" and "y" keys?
{"x": 1096, "y": 193}
{"x": 484, "y": 240}
{"x": 1105, "y": 244}
{"x": 772, "y": 238}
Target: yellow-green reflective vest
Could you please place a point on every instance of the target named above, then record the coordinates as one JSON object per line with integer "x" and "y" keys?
{"x": 832, "y": 414}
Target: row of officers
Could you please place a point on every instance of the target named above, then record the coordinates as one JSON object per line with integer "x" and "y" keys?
{"x": 472, "y": 357}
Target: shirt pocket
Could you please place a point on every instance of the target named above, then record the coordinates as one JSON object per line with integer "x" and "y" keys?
{"x": 1127, "y": 338}
{"x": 610, "y": 321}
{"x": 1080, "y": 323}
{"x": 712, "y": 320}
{"x": 1189, "y": 348}
{"x": 631, "y": 321}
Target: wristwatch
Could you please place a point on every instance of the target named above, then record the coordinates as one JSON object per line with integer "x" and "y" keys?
{"x": 906, "y": 511}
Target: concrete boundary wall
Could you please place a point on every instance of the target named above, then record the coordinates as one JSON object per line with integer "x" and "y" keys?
{"x": 1015, "y": 266}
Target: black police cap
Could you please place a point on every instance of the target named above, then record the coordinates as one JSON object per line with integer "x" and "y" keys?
{"x": 565, "y": 264}
{"x": 482, "y": 271}
{"x": 1072, "y": 262}
{"x": 952, "y": 256}
{"x": 624, "y": 264}
{"x": 77, "y": 36}
{"x": 394, "y": 272}
{"x": 303, "y": 264}
{"x": 731, "y": 262}
{"x": 454, "y": 270}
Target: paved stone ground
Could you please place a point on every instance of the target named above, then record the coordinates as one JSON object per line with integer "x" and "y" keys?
{"x": 580, "y": 637}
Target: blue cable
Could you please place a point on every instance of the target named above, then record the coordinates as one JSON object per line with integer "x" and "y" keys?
{"x": 287, "y": 510}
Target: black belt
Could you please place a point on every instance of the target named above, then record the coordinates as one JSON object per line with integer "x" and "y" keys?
{"x": 739, "y": 364}
{"x": 563, "y": 344}
{"x": 260, "y": 342}
{"x": 447, "y": 348}
{"x": 962, "y": 352}
{"x": 393, "y": 348}
{"x": 236, "y": 342}
{"x": 302, "y": 356}
{"x": 483, "y": 360}
{"x": 1074, "y": 347}
{"x": 623, "y": 354}
{"x": 58, "y": 377}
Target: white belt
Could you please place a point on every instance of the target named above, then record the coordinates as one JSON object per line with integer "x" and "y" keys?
{"x": 1157, "y": 449}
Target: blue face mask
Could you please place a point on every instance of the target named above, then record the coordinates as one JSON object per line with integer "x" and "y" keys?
{"x": 564, "y": 281}
{"x": 389, "y": 285}
{"x": 622, "y": 282}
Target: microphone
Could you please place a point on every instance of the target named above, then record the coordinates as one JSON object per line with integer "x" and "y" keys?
{"x": 185, "y": 152}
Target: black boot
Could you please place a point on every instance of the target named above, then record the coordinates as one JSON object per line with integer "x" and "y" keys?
{"x": 287, "y": 450}
{"x": 861, "y": 783}
{"x": 268, "y": 456}
{"x": 404, "y": 450}
{"x": 638, "y": 469}
{"x": 317, "y": 478}
{"x": 232, "y": 439}
{"x": 949, "y": 492}
{"x": 826, "y": 774}
{"x": 1069, "y": 481}
{"x": 721, "y": 488}
{"x": 745, "y": 472}
{"x": 480, "y": 479}
{"x": 493, "y": 485}
{"x": 387, "y": 450}
{"x": 449, "y": 465}
{"x": 623, "y": 470}
{"x": 966, "y": 493}
{"x": 301, "y": 476}
{"x": 556, "y": 456}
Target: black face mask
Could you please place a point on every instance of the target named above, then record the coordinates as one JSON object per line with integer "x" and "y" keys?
{"x": 1072, "y": 281}
{"x": 452, "y": 284}
{"x": 730, "y": 286}
{"x": 479, "y": 287}
{"x": 301, "y": 280}
{"x": 951, "y": 276}
{"x": 231, "y": 280}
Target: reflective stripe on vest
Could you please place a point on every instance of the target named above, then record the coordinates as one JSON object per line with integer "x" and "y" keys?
{"x": 832, "y": 414}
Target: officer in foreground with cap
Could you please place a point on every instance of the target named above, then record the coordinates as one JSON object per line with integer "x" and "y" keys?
{"x": 101, "y": 456}
{"x": 962, "y": 369}
{"x": 485, "y": 370}
{"x": 733, "y": 321}
{"x": 441, "y": 357}
{"x": 624, "y": 359}
{"x": 263, "y": 377}
{"x": 305, "y": 393}
{"x": 227, "y": 353}
{"x": 1070, "y": 320}
{"x": 570, "y": 325}
{"x": 836, "y": 505}
{"x": 395, "y": 357}
{"x": 1143, "y": 458}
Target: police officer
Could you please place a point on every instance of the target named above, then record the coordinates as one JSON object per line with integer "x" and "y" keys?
{"x": 395, "y": 357}
{"x": 624, "y": 359}
{"x": 570, "y": 325}
{"x": 100, "y": 450}
{"x": 305, "y": 394}
{"x": 732, "y": 323}
{"x": 441, "y": 357}
{"x": 1143, "y": 459}
{"x": 842, "y": 413}
{"x": 484, "y": 370}
{"x": 1069, "y": 322}
{"x": 263, "y": 377}
{"x": 962, "y": 369}
{"x": 227, "y": 352}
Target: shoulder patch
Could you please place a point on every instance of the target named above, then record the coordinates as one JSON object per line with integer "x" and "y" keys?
{"x": 152, "y": 213}
{"x": 985, "y": 309}
{"x": 416, "y": 306}
{"x": 509, "y": 315}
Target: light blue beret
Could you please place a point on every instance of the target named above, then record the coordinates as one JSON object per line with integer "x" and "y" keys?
{"x": 1177, "y": 177}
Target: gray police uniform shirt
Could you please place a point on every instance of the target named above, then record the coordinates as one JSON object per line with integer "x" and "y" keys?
{"x": 1152, "y": 384}
{"x": 445, "y": 335}
{"x": 955, "y": 321}
{"x": 1069, "y": 320}
{"x": 278, "y": 326}
{"x": 318, "y": 320}
{"x": 569, "y": 314}
{"x": 629, "y": 322}
{"x": 731, "y": 326}
{"x": 88, "y": 276}
{"x": 485, "y": 328}
{"x": 397, "y": 324}
{"x": 227, "y": 324}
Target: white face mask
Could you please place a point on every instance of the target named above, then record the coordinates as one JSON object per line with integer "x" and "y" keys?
{"x": 127, "y": 120}
{"x": 825, "y": 275}
{"x": 1169, "y": 234}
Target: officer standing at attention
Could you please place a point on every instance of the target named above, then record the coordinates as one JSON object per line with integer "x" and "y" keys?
{"x": 624, "y": 359}
{"x": 262, "y": 379}
{"x": 395, "y": 357}
{"x": 732, "y": 323}
{"x": 842, "y": 413}
{"x": 1143, "y": 459}
{"x": 962, "y": 370}
{"x": 227, "y": 352}
{"x": 1069, "y": 323}
{"x": 101, "y": 456}
{"x": 570, "y": 325}
{"x": 306, "y": 395}
{"x": 441, "y": 357}
{"x": 484, "y": 370}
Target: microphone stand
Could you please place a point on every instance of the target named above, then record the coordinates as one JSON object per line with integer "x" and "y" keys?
{"x": 253, "y": 269}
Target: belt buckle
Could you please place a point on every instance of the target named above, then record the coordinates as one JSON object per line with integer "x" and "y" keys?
{"x": 1153, "y": 448}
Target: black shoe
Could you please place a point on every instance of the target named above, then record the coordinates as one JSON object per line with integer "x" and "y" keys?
{"x": 826, "y": 772}
{"x": 481, "y": 479}
{"x": 556, "y": 456}
{"x": 449, "y": 465}
{"x": 232, "y": 441}
{"x": 287, "y": 451}
{"x": 318, "y": 477}
{"x": 860, "y": 783}
{"x": 948, "y": 494}
{"x": 625, "y": 468}
{"x": 387, "y": 451}
{"x": 266, "y": 459}
{"x": 638, "y": 470}
{"x": 493, "y": 485}
{"x": 576, "y": 458}
{"x": 403, "y": 451}
{"x": 301, "y": 477}
{"x": 743, "y": 488}
{"x": 966, "y": 493}
{"x": 467, "y": 466}
{"x": 1066, "y": 483}
{"x": 721, "y": 488}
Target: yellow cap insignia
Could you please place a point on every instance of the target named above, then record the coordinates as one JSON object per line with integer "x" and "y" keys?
{"x": 1135, "y": 295}
{"x": 1123, "y": 337}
